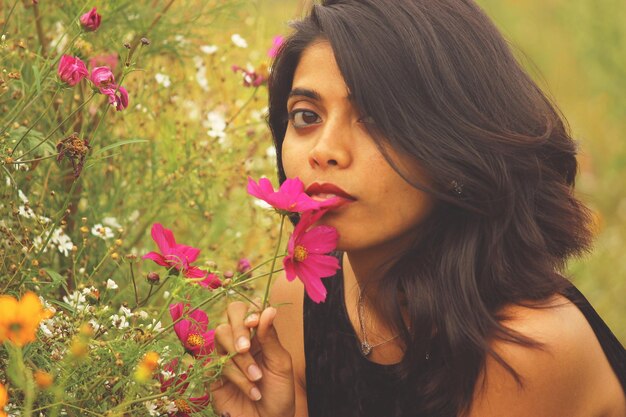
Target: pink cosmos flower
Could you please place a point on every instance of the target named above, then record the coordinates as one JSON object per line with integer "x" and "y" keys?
{"x": 243, "y": 265}
{"x": 210, "y": 281}
{"x": 102, "y": 77}
{"x": 109, "y": 60}
{"x": 71, "y": 70}
{"x": 174, "y": 255}
{"x": 192, "y": 330}
{"x": 118, "y": 96}
{"x": 306, "y": 255}
{"x": 290, "y": 197}
{"x": 185, "y": 406}
{"x": 251, "y": 78}
{"x": 276, "y": 43}
{"x": 90, "y": 21}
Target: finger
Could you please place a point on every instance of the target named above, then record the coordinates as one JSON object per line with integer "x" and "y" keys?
{"x": 244, "y": 361}
{"x": 236, "y": 314}
{"x": 234, "y": 375}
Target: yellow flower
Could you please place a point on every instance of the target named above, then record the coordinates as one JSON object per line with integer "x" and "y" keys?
{"x": 147, "y": 366}
{"x": 4, "y": 399}
{"x": 19, "y": 320}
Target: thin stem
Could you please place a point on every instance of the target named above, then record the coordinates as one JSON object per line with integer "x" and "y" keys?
{"x": 243, "y": 106}
{"x": 43, "y": 113}
{"x": 40, "y": 32}
{"x": 269, "y": 279}
{"x": 132, "y": 275}
{"x": 59, "y": 126}
{"x": 6, "y": 21}
{"x": 32, "y": 160}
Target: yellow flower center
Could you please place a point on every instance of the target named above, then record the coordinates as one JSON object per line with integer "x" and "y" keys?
{"x": 182, "y": 405}
{"x": 195, "y": 340}
{"x": 300, "y": 253}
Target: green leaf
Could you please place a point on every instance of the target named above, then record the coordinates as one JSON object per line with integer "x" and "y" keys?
{"x": 57, "y": 279}
{"x": 32, "y": 139}
{"x": 118, "y": 144}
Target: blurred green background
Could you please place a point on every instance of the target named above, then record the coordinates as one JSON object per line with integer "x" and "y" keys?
{"x": 575, "y": 50}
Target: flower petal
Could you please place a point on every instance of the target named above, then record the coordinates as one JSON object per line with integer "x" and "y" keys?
{"x": 156, "y": 257}
{"x": 320, "y": 239}
{"x": 163, "y": 237}
{"x": 200, "y": 319}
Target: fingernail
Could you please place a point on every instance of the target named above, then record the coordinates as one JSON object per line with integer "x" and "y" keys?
{"x": 254, "y": 372}
{"x": 243, "y": 343}
{"x": 255, "y": 394}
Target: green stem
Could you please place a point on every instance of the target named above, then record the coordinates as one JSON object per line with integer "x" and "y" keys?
{"x": 59, "y": 126}
{"x": 132, "y": 276}
{"x": 36, "y": 121}
{"x": 6, "y": 22}
{"x": 243, "y": 106}
{"x": 269, "y": 279}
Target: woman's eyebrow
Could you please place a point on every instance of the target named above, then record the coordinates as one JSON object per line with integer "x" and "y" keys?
{"x": 305, "y": 92}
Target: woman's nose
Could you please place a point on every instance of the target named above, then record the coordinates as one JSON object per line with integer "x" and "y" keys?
{"x": 331, "y": 147}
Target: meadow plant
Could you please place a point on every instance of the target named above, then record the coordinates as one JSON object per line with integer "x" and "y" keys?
{"x": 96, "y": 318}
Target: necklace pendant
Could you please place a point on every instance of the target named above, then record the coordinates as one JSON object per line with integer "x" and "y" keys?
{"x": 366, "y": 348}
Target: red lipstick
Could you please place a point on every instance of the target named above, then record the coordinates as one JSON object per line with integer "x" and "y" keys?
{"x": 327, "y": 188}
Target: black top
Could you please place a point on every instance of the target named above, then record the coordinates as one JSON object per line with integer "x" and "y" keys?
{"x": 340, "y": 382}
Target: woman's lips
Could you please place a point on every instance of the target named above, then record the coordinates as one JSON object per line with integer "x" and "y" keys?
{"x": 326, "y": 191}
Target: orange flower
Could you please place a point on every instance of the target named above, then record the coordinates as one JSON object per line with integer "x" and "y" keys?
{"x": 19, "y": 320}
{"x": 4, "y": 399}
{"x": 43, "y": 379}
{"x": 147, "y": 366}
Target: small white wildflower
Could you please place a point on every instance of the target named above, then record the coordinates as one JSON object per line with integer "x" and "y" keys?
{"x": 111, "y": 285}
{"x": 133, "y": 216}
{"x": 216, "y": 123}
{"x": 209, "y": 49}
{"x": 181, "y": 39}
{"x": 163, "y": 79}
{"x": 43, "y": 326}
{"x": 239, "y": 41}
{"x": 166, "y": 294}
{"x": 22, "y": 196}
{"x": 143, "y": 315}
{"x": 167, "y": 374}
{"x": 94, "y": 325}
{"x": 170, "y": 408}
{"x": 62, "y": 241}
{"x": 201, "y": 78}
{"x": 119, "y": 321}
{"x": 151, "y": 406}
{"x": 111, "y": 222}
{"x": 156, "y": 326}
{"x": 103, "y": 232}
{"x": 125, "y": 311}
{"x": 76, "y": 300}
{"x": 26, "y": 211}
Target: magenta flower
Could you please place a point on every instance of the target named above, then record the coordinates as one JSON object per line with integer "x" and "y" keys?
{"x": 276, "y": 43}
{"x": 71, "y": 70}
{"x": 90, "y": 21}
{"x": 306, "y": 255}
{"x": 118, "y": 96}
{"x": 102, "y": 77}
{"x": 290, "y": 197}
{"x": 251, "y": 78}
{"x": 191, "y": 327}
{"x": 173, "y": 255}
{"x": 185, "y": 406}
{"x": 210, "y": 281}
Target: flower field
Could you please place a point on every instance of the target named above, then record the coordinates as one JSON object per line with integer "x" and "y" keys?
{"x": 128, "y": 134}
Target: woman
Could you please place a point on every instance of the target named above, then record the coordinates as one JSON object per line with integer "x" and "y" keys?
{"x": 459, "y": 175}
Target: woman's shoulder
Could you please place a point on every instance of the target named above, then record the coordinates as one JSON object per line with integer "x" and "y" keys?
{"x": 568, "y": 375}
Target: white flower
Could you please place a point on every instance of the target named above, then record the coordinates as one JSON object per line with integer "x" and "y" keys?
{"x": 216, "y": 123}
{"x": 170, "y": 408}
{"x": 103, "y": 232}
{"x": 111, "y": 222}
{"x": 152, "y": 408}
{"x": 26, "y": 211}
{"x": 201, "y": 78}
{"x": 167, "y": 374}
{"x": 133, "y": 216}
{"x": 239, "y": 41}
{"x": 209, "y": 49}
{"x": 119, "y": 321}
{"x": 166, "y": 295}
{"x": 94, "y": 325}
{"x": 111, "y": 285}
{"x": 163, "y": 79}
{"x": 63, "y": 241}
{"x": 125, "y": 311}
{"x": 22, "y": 196}
{"x": 76, "y": 300}
{"x": 43, "y": 326}
{"x": 156, "y": 326}
{"x": 142, "y": 314}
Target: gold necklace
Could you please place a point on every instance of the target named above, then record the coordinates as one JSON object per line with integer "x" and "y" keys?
{"x": 366, "y": 347}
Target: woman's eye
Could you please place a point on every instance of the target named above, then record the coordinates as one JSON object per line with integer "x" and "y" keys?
{"x": 303, "y": 118}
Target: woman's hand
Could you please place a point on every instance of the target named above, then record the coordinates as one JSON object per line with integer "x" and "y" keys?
{"x": 258, "y": 381}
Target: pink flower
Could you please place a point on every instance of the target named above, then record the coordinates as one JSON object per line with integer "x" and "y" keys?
{"x": 276, "y": 43}
{"x": 210, "y": 281}
{"x": 102, "y": 77}
{"x": 118, "y": 96}
{"x": 252, "y": 78}
{"x": 243, "y": 265}
{"x": 173, "y": 255}
{"x": 109, "y": 60}
{"x": 290, "y": 197}
{"x": 90, "y": 21}
{"x": 185, "y": 406}
{"x": 306, "y": 255}
{"x": 72, "y": 70}
{"x": 192, "y": 330}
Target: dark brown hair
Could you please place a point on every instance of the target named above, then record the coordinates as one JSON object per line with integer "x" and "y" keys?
{"x": 441, "y": 85}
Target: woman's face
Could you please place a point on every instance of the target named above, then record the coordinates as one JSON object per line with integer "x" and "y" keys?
{"x": 327, "y": 143}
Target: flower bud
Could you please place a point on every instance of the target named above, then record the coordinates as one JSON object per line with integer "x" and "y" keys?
{"x": 145, "y": 41}
{"x": 153, "y": 278}
{"x": 243, "y": 265}
{"x": 91, "y": 20}
{"x": 71, "y": 70}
